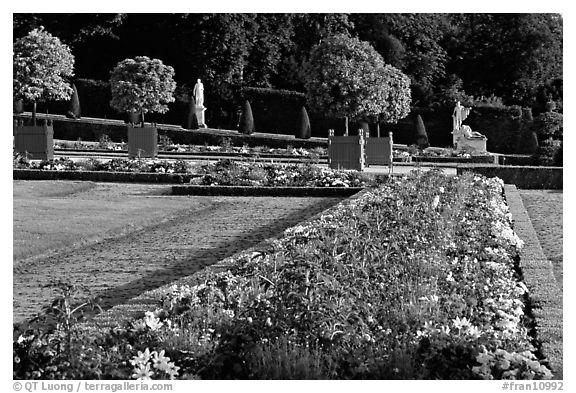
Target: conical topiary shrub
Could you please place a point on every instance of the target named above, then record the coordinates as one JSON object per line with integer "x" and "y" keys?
{"x": 191, "y": 121}
{"x": 532, "y": 143}
{"x": 18, "y": 106}
{"x": 304, "y": 129}
{"x": 246, "y": 120}
{"x": 420, "y": 135}
{"x": 74, "y": 112}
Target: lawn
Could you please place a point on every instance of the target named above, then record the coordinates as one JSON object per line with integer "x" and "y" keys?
{"x": 119, "y": 240}
{"x": 50, "y": 215}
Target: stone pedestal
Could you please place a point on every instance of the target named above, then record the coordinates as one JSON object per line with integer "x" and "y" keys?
{"x": 465, "y": 139}
{"x": 199, "y": 111}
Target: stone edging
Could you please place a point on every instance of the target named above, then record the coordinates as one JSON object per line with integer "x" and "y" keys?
{"x": 544, "y": 293}
{"x": 149, "y": 301}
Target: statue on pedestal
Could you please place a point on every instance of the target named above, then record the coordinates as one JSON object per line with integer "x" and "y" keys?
{"x": 459, "y": 115}
{"x": 199, "y": 93}
{"x": 199, "y": 107}
{"x": 463, "y": 136}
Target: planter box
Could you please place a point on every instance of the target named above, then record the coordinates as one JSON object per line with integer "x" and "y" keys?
{"x": 346, "y": 152}
{"x": 142, "y": 142}
{"x": 35, "y": 141}
{"x": 379, "y": 151}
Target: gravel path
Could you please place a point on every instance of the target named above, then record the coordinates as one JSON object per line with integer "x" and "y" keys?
{"x": 121, "y": 268}
{"x": 545, "y": 210}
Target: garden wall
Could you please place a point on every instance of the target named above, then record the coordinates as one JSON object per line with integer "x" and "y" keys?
{"x": 524, "y": 177}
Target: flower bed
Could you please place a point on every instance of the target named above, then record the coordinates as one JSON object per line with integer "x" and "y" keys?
{"x": 166, "y": 145}
{"x": 415, "y": 279}
{"x": 222, "y": 173}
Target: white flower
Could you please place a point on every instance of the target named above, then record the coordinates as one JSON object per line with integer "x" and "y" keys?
{"x": 442, "y": 189}
{"x": 435, "y": 202}
{"x": 142, "y": 372}
{"x": 151, "y": 321}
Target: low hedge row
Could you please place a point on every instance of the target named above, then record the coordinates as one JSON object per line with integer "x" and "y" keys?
{"x": 524, "y": 177}
{"x": 265, "y": 191}
{"x": 473, "y": 160}
{"x": 93, "y": 129}
{"x": 129, "y": 177}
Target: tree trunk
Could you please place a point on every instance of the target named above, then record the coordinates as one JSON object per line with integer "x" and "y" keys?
{"x": 34, "y": 113}
{"x": 142, "y": 118}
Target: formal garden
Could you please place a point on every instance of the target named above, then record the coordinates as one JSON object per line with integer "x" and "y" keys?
{"x": 319, "y": 199}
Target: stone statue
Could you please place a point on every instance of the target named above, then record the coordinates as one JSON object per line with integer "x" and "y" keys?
{"x": 459, "y": 115}
{"x": 466, "y": 130}
{"x": 199, "y": 94}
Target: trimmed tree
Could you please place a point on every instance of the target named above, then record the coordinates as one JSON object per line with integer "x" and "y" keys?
{"x": 246, "y": 119}
{"x": 347, "y": 77}
{"x": 304, "y": 129}
{"x": 42, "y": 65}
{"x": 420, "y": 135}
{"x": 142, "y": 85}
{"x": 74, "y": 112}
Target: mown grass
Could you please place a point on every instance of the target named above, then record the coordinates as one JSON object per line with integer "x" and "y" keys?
{"x": 50, "y": 215}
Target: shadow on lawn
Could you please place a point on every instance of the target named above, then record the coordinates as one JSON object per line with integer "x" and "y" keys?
{"x": 198, "y": 258}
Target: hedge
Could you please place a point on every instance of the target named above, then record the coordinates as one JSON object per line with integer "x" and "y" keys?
{"x": 101, "y": 176}
{"x": 524, "y": 177}
{"x": 265, "y": 191}
{"x": 274, "y": 111}
{"x": 92, "y": 130}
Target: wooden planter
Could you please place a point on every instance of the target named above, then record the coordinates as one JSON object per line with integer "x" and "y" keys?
{"x": 346, "y": 152}
{"x": 37, "y": 142}
{"x": 142, "y": 142}
{"x": 379, "y": 150}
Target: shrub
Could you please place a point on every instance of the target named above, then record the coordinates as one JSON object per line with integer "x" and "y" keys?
{"x": 548, "y": 125}
{"x": 558, "y": 159}
{"x": 501, "y": 125}
{"x": 273, "y": 109}
{"x": 142, "y": 85}
{"x": 420, "y": 135}
{"x": 527, "y": 139}
{"x": 304, "y": 130}
{"x": 18, "y": 106}
{"x": 246, "y": 120}
{"x": 547, "y": 152}
{"x": 74, "y": 112}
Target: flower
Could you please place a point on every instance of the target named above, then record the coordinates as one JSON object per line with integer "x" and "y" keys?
{"x": 141, "y": 358}
{"x": 435, "y": 202}
{"x": 152, "y": 321}
{"x": 142, "y": 372}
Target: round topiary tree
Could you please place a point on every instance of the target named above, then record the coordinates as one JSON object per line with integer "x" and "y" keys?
{"x": 142, "y": 85}
{"x": 347, "y": 77}
{"x": 304, "y": 128}
{"x": 42, "y": 65}
{"x": 246, "y": 119}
